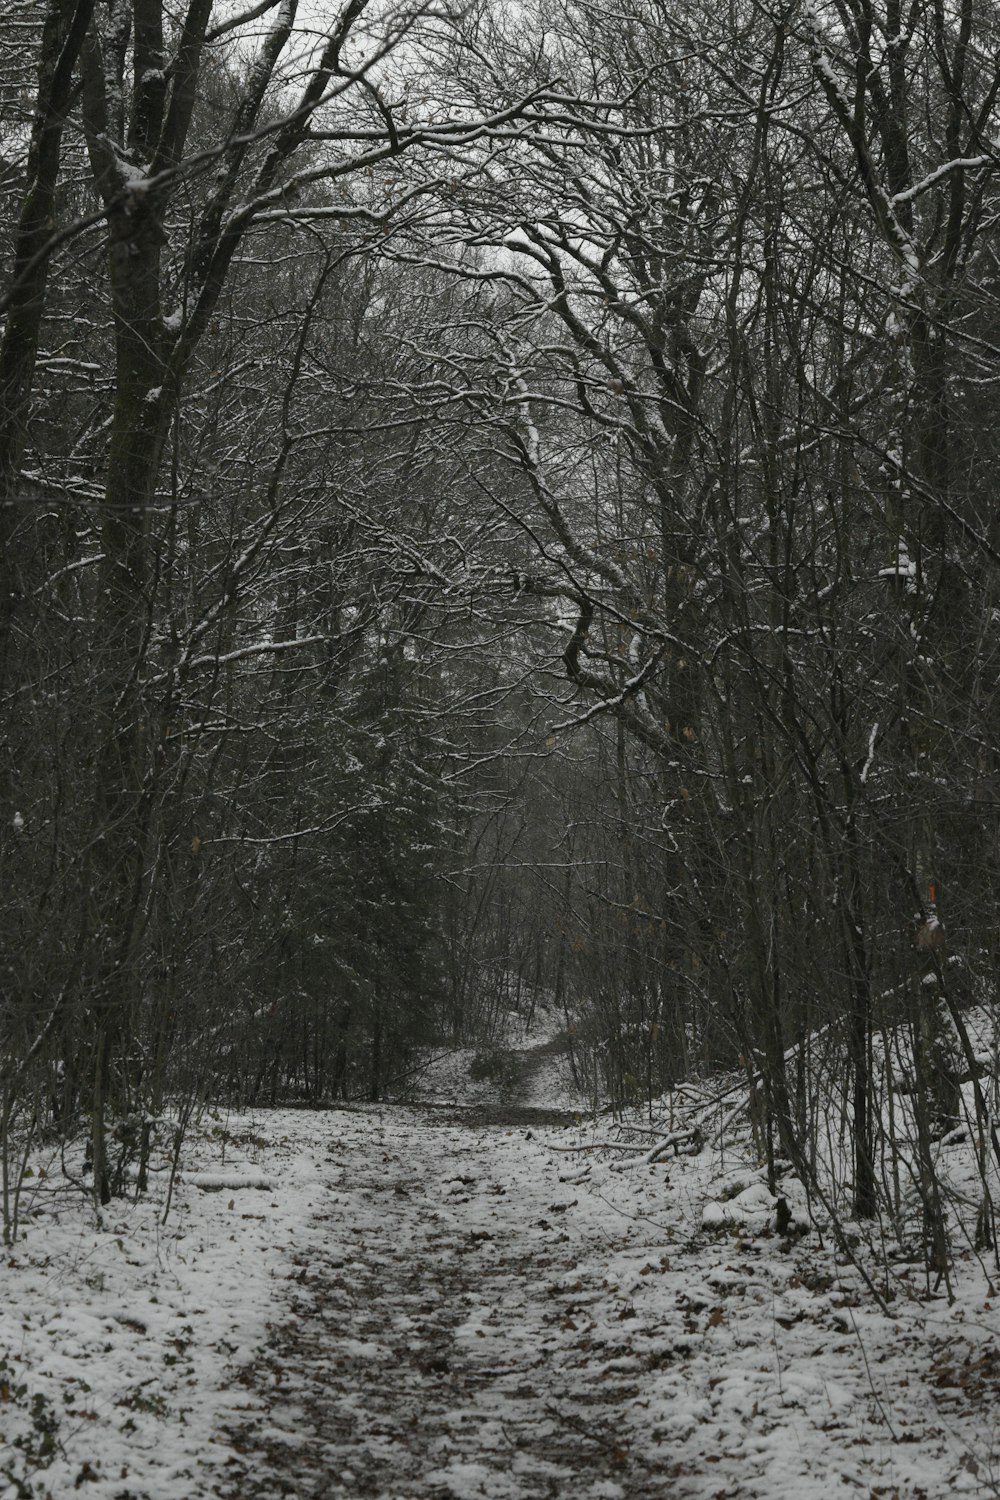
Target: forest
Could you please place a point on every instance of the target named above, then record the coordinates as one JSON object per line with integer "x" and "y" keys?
{"x": 498, "y": 502}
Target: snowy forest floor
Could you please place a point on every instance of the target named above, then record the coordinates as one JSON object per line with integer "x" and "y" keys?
{"x": 433, "y": 1300}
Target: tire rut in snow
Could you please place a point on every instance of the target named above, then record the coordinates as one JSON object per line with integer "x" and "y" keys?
{"x": 418, "y": 1362}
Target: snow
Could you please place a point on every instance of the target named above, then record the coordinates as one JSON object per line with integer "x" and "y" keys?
{"x": 904, "y": 567}
{"x": 134, "y": 179}
{"x": 539, "y": 1075}
{"x": 214, "y": 1182}
{"x": 869, "y": 758}
{"x": 130, "y": 1336}
{"x": 406, "y": 1300}
{"x": 960, "y": 164}
{"x": 755, "y": 1205}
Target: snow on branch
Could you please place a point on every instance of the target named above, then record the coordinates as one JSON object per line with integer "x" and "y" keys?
{"x": 960, "y": 164}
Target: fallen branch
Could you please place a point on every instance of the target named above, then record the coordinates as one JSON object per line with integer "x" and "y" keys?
{"x": 595, "y": 1146}
{"x": 692, "y": 1137}
{"x": 215, "y": 1182}
{"x": 721, "y": 1129}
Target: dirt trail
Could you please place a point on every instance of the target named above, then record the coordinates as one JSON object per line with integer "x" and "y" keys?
{"x": 510, "y": 1114}
{"x": 430, "y": 1350}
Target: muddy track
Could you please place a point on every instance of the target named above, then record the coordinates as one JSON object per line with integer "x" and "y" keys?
{"x": 419, "y": 1358}
{"x": 511, "y": 1115}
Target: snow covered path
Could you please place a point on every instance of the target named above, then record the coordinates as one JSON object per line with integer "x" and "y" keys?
{"x": 430, "y": 1304}
{"x": 427, "y": 1355}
